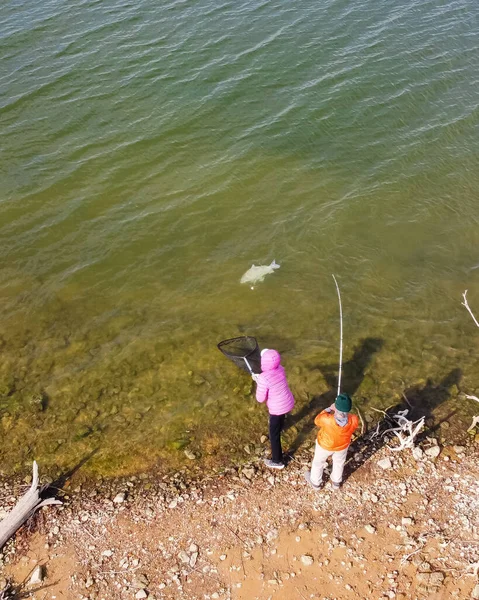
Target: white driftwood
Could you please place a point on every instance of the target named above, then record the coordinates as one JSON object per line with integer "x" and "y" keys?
{"x": 465, "y": 303}
{"x": 24, "y": 509}
{"x": 475, "y": 420}
{"x": 406, "y": 431}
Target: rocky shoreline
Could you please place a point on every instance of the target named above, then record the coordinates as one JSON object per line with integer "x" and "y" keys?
{"x": 403, "y": 526}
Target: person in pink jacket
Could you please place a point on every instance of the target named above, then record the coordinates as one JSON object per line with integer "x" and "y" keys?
{"x": 272, "y": 388}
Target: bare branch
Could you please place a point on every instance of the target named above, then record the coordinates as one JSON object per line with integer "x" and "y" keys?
{"x": 465, "y": 303}
{"x": 24, "y": 508}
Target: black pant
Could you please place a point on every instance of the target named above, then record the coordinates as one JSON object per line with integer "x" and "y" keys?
{"x": 276, "y": 423}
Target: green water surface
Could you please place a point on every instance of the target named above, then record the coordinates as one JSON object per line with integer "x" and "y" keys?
{"x": 151, "y": 152}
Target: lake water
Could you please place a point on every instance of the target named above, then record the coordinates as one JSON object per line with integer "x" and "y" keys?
{"x": 151, "y": 152}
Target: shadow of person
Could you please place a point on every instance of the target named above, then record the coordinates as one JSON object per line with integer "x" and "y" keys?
{"x": 352, "y": 374}
{"x": 59, "y": 483}
{"x": 420, "y": 401}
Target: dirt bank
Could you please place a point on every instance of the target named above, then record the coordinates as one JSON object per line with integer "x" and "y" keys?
{"x": 410, "y": 530}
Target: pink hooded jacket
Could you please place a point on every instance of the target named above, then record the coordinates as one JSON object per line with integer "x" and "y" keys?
{"x": 272, "y": 385}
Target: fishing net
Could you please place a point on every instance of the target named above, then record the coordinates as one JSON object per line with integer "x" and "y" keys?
{"x": 243, "y": 351}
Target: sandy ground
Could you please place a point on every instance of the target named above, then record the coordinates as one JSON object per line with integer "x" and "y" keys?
{"x": 407, "y": 531}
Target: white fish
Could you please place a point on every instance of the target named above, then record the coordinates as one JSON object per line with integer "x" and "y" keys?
{"x": 255, "y": 274}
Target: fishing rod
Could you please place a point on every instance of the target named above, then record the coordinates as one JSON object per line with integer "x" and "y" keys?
{"x": 340, "y": 335}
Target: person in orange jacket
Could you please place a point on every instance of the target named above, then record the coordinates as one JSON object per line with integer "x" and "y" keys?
{"x": 336, "y": 427}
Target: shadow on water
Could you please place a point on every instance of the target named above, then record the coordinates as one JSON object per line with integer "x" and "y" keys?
{"x": 56, "y": 486}
{"x": 352, "y": 374}
{"x": 420, "y": 401}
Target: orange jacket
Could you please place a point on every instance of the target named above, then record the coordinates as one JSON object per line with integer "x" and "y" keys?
{"x": 331, "y": 436}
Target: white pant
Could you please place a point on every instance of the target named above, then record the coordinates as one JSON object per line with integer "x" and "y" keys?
{"x": 319, "y": 462}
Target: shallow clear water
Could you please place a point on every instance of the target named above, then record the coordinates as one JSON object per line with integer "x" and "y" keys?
{"x": 152, "y": 152}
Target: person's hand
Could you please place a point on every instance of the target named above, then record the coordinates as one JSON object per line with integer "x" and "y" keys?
{"x": 254, "y": 377}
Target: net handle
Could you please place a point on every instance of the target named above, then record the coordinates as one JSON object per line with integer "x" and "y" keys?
{"x": 248, "y": 365}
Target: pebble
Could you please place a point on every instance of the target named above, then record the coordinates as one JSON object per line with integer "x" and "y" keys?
{"x": 193, "y": 548}
{"x": 37, "y": 576}
{"x": 307, "y": 560}
{"x": 140, "y": 582}
{"x": 193, "y": 559}
{"x": 385, "y": 463}
{"x": 417, "y": 453}
{"x": 433, "y": 452}
{"x": 475, "y": 592}
{"x": 223, "y": 557}
{"x": 107, "y": 553}
{"x": 189, "y": 454}
{"x": 173, "y": 503}
{"x": 119, "y": 498}
{"x": 248, "y": 473}
{"x": 140, "y": 594}
{"x": 183, "y": 556}
{"x": 406, "y": 521}
{"x": 370, "y": 529}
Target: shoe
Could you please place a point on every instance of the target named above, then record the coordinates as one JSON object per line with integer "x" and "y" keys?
{"x": 273, "y": 465}
{"x": 307, "y": 476}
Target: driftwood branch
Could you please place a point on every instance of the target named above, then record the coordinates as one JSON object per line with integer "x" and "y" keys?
{"x": 24, "y": 508}
{"x": 465, "y": 303}
{"x": 404, "y": 429}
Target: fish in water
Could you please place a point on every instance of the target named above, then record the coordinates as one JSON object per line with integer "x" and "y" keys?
{"x": 256, "y": 274}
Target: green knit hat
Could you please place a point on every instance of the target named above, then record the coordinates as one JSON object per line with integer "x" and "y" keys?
{"x": 343, "y": 403}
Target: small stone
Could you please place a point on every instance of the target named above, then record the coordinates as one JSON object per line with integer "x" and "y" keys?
{"x": 119, "y": 498}
{"x": 173, "y": 503}
{"x": 89, "y": 582}
{"x": 433, "y": 452}
{"x": 424, "y": 567}
{"x": 37, "y": 576}
{"x": 406, "y": 521}
{"x": 193, "y": 559}
{"x": 263, "y": 439}
{"x": 107, "y": 553}
{"x": 475, "y": 592}
{"x": 248, "y": 473}
{"x": 141, "y": 594}
{"x": 436, "y": 578}
{"x": 223, "y": 557}
{"x": 183, "y": 556}
{"x": 193, "y": 548}
{"x": 307, "y": 560}
{"x": 140, "y": 582}
{"x": 417, "y": 453}
{"x": 385, "y": 463}
{"x": 271, "y": 535}
{"x": 190, "y": 455}
{"x": 56, "y": 530}
{"x": 459, "y": 449}
{"x": 370, "y": 529}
